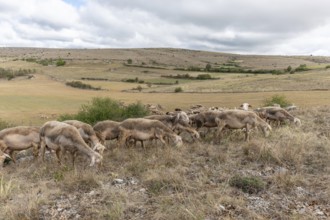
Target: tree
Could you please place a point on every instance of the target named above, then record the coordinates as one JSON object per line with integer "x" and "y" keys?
{"x": 208, "y": 67}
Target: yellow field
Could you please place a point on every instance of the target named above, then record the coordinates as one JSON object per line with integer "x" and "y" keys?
{"x": 32, "y": 101}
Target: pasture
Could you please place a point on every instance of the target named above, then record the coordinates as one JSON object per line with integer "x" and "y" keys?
{"x": 287, "y": 173}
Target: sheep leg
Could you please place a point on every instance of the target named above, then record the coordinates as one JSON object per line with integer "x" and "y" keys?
{"x": 58, "y": 156}
{"x": 12, "y": 155}
{"x": 247, "y": 130}
{"x": 221, "y": 125}
{"x": 42, "y": 150}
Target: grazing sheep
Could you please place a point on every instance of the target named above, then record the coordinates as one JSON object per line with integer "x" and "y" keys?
{"x": 178, "y": 121}
{"x": 19, "y": 138}
{"x": 62, "y": 137}
{"x": 277, "y": 114}
{"x": 106, "y": 130}
{"x": 88, "y": 134}
{"x": 142, "y": 129}
{"x": 232, "y": 119}
{"x": 245, "y": 106}
{"x": 239, "y": 119}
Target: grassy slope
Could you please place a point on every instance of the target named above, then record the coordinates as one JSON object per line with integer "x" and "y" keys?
{"x": 191, "y": 182}
{"x": 34, "y": 101}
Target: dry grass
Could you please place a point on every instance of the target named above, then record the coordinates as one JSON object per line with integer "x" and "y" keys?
{"x": 190, "y": 182}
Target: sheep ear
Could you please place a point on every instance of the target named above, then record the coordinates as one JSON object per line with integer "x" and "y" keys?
{"x": 241, "y": 106}
{"x": 250, "y": 106}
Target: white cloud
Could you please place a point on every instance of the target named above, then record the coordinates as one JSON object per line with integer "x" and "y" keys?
{"x": 244, "y": 26}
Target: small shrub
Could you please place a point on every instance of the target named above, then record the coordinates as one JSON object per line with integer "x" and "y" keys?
{"x": 277, "y": 99}
{"x": 129, "y": 61}
{"x": 301, "y": 67}
{"x": 106, "y": 109}
{"x": 327, "y": 67}
{"x": 60, "y": 62}
{"x": 288, "y": 69}
{"x": 178, "y": 89}
{"x": 208, "y": 67}
{"x": 250, "y": 184}
{"x": 139, "y": 88}
{"x": 204, "y": 76}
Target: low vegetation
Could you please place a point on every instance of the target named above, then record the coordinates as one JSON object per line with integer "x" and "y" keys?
{"x": 100, "y": 109}
{"x": 47, "y": 61}
{"x": 188, "y": 76}
{"x": 10, "y": 74}
{"x": 81, "y": 85}
{"x": 283, "y": 176}
{"x": 277, "y": 100}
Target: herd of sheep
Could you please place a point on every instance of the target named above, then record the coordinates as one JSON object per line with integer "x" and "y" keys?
{"x": 79, "y": 138}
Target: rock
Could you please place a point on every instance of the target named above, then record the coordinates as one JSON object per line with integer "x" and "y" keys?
{"x": 118, "y": 181}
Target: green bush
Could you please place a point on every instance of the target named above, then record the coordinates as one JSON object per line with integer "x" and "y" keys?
{"x": 178, "y": 89}
{"x": 301, "y": 67}
{"x": 204, "y": 76}
{"x": 106, "y": 109}
{"x": 247, "y": 184}
{"x": 60, "y": 62}
{"x": 277, "y": 99}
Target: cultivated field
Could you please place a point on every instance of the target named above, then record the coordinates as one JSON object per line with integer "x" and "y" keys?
{"x": 289, "y": 170}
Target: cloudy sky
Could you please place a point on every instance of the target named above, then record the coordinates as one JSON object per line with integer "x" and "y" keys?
{"x": 285, "y": 27}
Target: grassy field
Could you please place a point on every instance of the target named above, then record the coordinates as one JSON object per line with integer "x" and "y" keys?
{"x": 31, "y": 101}
{"x": 284, "y": 176}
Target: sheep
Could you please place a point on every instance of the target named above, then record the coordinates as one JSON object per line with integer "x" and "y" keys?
{"x": 88, "y": 134}
{"x": 277, "y": 114}
{"x": 232, "y": 119}
{"x": 62, "y": 137}
{"x": 146, "y": 129}
{"x": 19, "y": 138}
{"x": 245, "y": 106}
{"x": 106, "y": 130}
{"x": 239, "y": 119}
{"x": 178, "y": 121}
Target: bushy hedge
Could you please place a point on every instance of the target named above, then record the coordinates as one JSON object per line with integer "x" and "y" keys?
{"x": 100, "y": 109}
{"x": 80, "y": 85}
{"x": 277, "y": 99}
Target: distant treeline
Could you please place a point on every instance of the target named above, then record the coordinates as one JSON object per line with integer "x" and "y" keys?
{"x": 230, "y": 68}
{"x": 96, "y": 79}
{"x": 187, "y": 76}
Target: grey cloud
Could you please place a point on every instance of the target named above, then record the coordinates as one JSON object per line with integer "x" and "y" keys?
{"x": 254, "y": 26}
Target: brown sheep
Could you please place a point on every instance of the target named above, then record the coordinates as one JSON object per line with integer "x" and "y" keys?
{"x": 62, "y": 137}
{"x": 88, "y": 134}
{"x": 232, "y": 119}
{"x": 19, "y": 138}
{"x": 106, "y": 130}
{"x": 178, "y": 121}
{"x": 277, "y": 114}
{"x": 142, "y": 129}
